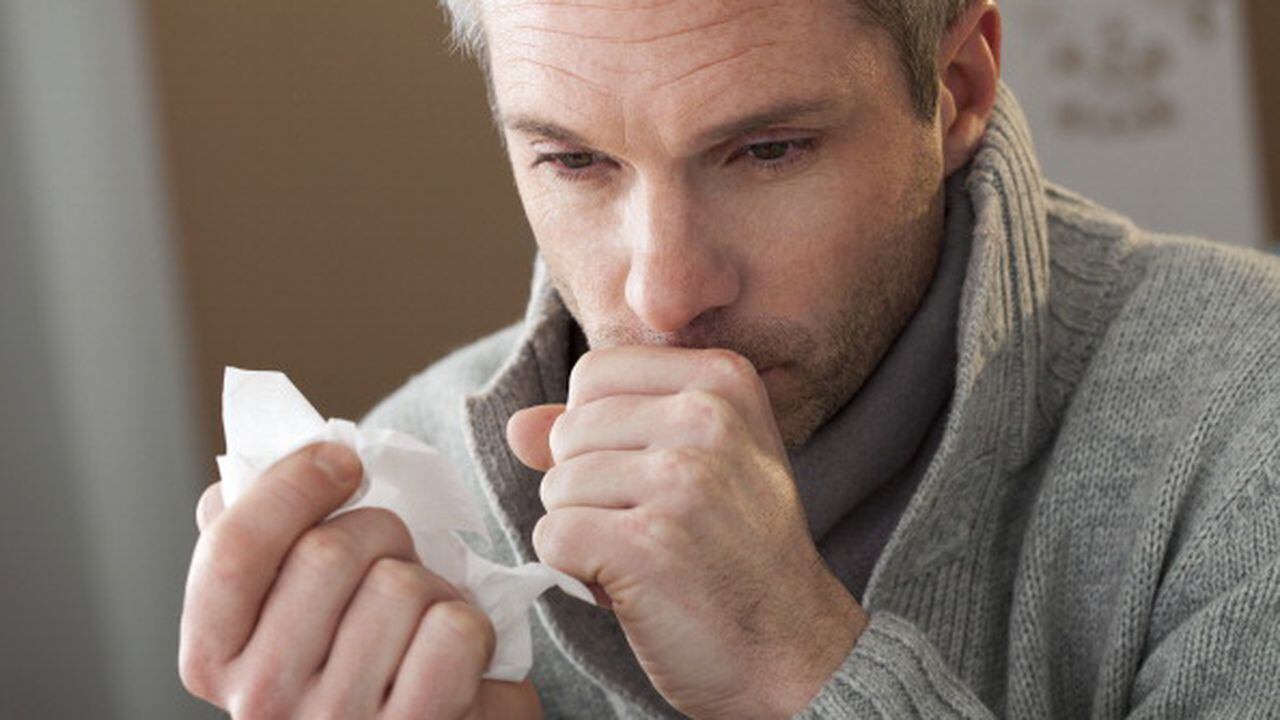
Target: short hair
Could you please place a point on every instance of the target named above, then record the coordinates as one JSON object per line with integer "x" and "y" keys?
{"x": 915, "y": 26}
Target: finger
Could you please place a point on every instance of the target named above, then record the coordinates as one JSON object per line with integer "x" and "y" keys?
{"x": 527, "y": 433}
{"x": 375, "y": 633}
{"x": 209, "y": 507}
{"x": 640, "y": 422}
{"x": 586, "y": 542}
{"x": 321, "y": 574}
{"x": 237, "y": 558}
{"x": 442, "y": 670}
{"x": 651, "y": 370}
{"x": 607, "y": 479}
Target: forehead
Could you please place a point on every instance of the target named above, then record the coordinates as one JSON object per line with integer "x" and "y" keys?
{"x": 623, "y": 68}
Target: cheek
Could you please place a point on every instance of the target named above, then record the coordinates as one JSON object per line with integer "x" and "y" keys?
{"x": 577, "y": 246}
{"x": 838, "y": 227}
{"x": 812, "y": 240}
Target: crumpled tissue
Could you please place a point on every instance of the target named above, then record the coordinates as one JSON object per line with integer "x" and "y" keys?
{"x": 266, "y": 418}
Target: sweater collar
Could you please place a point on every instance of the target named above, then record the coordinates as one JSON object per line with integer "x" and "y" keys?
{"x": 999, "y": 418}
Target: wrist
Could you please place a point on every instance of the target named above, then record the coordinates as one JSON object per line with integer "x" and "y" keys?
{"x": 818, "y": 652}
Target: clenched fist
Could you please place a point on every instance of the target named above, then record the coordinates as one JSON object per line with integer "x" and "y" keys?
{"x": 667, "y": 484}
{"x": 289, "y": 615}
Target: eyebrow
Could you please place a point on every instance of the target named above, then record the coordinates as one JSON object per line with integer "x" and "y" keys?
{"x": 769, "y": 116}
{"x": 544, "y": 129}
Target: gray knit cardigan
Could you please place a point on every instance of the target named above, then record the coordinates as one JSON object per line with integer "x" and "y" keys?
{"x": 1098, "y": 533}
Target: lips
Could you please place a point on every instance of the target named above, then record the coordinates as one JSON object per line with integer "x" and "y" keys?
{"x": 774, "y": 369}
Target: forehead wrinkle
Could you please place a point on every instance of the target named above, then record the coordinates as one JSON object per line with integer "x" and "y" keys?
{"x": 712, "y": 64}
{"x": 710, "y": 97}
{"x": 618, "y": 40}
{"x": 553, "y": 68}
{"x": 575, "y": 4}
{"x": 540, "y": 28}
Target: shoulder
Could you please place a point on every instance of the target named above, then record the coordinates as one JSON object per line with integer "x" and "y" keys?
{"x": 1188, "y": 328}
{"x": 1082, "y": 231}
{"x": 1179, "y": 319}
{"x": 430, "y": 405}
{"x": 1176, "y": 414}
{"x": 1159, "y": 295}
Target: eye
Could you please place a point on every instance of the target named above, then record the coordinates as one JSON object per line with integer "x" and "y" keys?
{"x": 576, "y": 160}
{"x": 574, "y": 165}
{"x": 775, "y": 154}
{"x": 769, "y": 151}
{"x": 568, "y": 161}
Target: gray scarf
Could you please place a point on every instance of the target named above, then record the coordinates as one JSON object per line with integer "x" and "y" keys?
{"x": 857, "y": 473}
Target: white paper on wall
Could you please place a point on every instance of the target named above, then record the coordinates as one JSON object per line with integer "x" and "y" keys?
{"x": 1145, "y": 106}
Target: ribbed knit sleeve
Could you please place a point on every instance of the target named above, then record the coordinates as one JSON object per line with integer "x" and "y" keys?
{"x": 893, "y": 672}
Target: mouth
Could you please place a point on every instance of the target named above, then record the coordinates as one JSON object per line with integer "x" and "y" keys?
{"x": 771, "y": 371}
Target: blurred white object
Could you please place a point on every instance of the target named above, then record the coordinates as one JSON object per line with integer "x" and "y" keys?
{"x": 1145, "y": 106}
{"x": 266, "y": 418}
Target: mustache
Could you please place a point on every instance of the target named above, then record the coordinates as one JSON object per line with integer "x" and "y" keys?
{"x": 765, "y": 342}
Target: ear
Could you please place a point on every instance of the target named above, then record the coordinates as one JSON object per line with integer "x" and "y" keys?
{"x": 969, "y": 70}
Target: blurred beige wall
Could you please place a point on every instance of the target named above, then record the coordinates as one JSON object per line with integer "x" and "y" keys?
{"x": 345, "y": 211}
{"x": 344, "y": 208}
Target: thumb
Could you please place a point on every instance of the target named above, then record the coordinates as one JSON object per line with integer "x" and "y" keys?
{"x": 529, "y": 435}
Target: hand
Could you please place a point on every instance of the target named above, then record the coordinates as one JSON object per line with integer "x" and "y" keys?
{"x": 289, "y": 615}
{"x": 667, "y": 484}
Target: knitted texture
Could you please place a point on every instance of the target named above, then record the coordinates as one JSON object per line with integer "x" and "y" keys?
{"x": 1098, "y": 532}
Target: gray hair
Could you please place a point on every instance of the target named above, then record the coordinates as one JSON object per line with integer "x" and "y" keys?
{"x": 916, "y": 27}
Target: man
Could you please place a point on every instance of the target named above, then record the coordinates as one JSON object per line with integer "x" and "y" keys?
{"x": 840, "y": 409}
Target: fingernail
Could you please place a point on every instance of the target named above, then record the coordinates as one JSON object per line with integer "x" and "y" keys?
{"x": 338, "y": 462}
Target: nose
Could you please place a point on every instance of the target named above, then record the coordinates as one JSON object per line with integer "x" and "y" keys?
{"x": 677, "y": 269}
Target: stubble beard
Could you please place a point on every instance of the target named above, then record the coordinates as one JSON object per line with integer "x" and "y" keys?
{"x": 872, "y": 315}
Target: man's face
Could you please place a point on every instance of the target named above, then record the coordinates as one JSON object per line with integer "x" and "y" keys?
{"x": 724, "y": 173}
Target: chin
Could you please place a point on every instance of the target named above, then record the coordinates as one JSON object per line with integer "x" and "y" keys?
{"x": 797, "y": 417}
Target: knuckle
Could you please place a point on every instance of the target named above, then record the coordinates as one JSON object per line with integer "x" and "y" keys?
{"x": 727, "y": 366}
{"x": 225, "y": 556}
{"x": 197, "y": 671}
{"x": 702, "y": 412}
{"x": 327, "y": 548}
{"x": 655, "y": 533}
{"x": 257, "y": 689}
{"x": 584, "y": 368}
{"x": 688, "y": 484}
{"x": 549, "y": 487}
{"x": 389, "y": 527}
{"x": 259, "y": 697}
{"x": 459, "y": 623}
{"x": 548, "y": 539}
{"x": 561, "y": 431}
{"x": 679, "y": 465}
{"x": 398, "y": 579}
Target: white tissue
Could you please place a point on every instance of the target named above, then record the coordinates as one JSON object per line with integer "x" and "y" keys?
{"x": 265, "y": 418}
